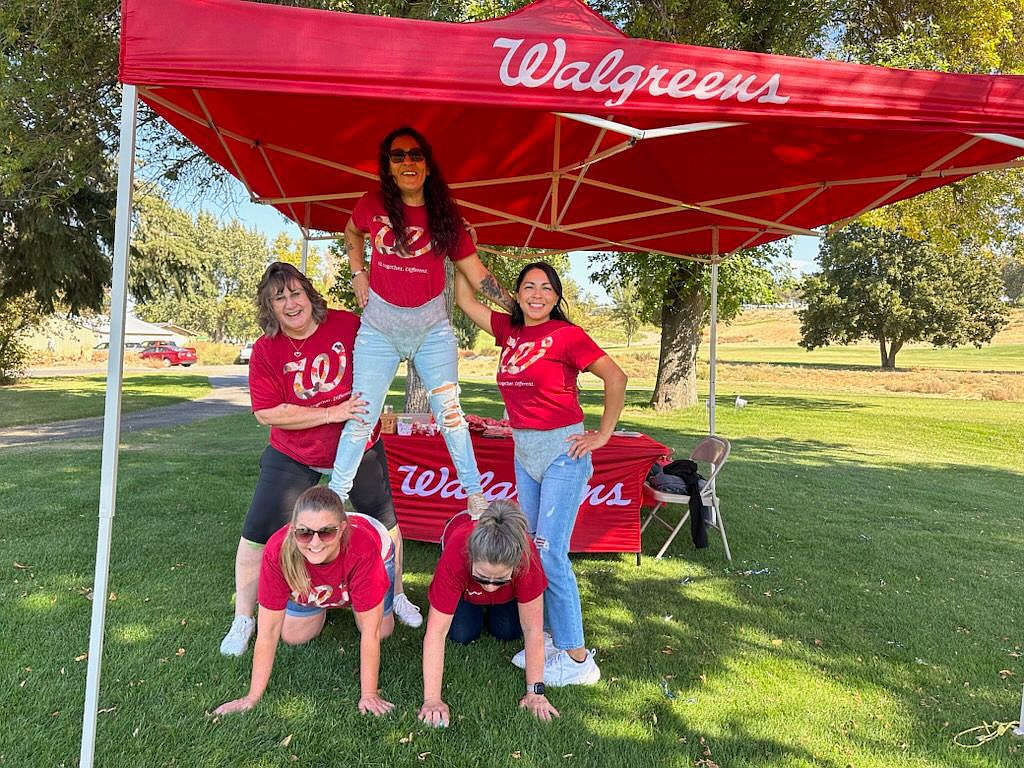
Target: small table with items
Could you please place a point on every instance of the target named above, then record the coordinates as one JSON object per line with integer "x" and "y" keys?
{"x": 427, "y": 491}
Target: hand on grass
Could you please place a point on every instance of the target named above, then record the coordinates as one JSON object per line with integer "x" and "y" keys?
{"x": 435, "y": 712}
{"x": 373, "y": 704}
{"x": 539, "y": 706}
{"x": 243, "y": 704}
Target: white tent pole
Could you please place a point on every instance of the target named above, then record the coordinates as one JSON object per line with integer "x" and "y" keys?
{"x": 111, "y": 419}
{"x": 714, "y": 333}
{"x": 305, "y": 253}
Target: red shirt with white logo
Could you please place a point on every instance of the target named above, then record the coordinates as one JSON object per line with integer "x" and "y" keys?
{"x": 405, "y": 280}
{"x": 453, "y": 576}
{"x": 314, "y": 372}
{"x": 538, "y": 369}
{"x": 355, "y": 577}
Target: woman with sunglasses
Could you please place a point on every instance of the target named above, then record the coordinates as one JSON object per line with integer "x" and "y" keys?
{"x": 323, "y": 559}
{"x": 542, "y": 355}
{"x": 300, "y": 385}
{"x": 414, "y": 225}
{"x": 489, "y": 574}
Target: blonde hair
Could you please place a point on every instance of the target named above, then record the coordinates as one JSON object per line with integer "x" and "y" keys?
{"x": 319, "y": 498}
{"x": 500, "y": 537}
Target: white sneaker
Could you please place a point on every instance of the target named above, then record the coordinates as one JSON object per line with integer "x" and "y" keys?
{"x": 406, "y": 612}
{"x": 549, "y": 650}
{"x": 561, "y": 669}
{"x": 236, "y": 641}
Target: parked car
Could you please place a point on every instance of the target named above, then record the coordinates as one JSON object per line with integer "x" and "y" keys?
{"x": 245, "y": 353}
{"x": 133, "y": 346}
{"x": 170, "y": 354}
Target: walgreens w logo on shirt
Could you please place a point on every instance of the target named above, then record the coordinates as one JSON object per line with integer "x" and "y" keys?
{"x": 444, "y": 484}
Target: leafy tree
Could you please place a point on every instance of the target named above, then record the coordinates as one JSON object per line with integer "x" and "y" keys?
{"x": 1013, "y": 279}
{"x": 627, "y": 309}
{"x": 882, "y": 285}
{"x": 228, "y": 261}
{"x": 18, "y": 316}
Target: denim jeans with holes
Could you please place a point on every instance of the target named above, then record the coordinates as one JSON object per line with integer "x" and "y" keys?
{"x": 375, "y": 363}
{"x": 551, "y": 507}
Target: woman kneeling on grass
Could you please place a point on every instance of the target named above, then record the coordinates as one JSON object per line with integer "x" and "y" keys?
{"x": 487, "y": 565}
{"x": 323, "y": 559}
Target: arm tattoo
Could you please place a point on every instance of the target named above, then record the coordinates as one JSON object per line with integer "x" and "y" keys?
{"x": 490, "y": 288}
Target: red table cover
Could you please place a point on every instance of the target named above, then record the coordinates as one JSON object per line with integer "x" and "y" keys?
{"x": 427, "y": 492}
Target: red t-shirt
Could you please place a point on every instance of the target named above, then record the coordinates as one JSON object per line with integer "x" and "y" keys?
{"x": 538, "y": 370}
{"x": 453, "y": 576}
{"x": 319, "y": 376}
{"x": 355, "y": 577}
{"x": 405, "y": 280}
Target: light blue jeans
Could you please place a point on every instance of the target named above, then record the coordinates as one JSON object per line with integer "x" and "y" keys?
{"x": 375, "y": 362}
{"x": 551, "y": 507}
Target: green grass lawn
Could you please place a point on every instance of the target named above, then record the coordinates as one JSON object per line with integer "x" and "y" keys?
{"x": 886, "y": 623}
{"x": 1002, "y": 357}
{"x": 44, "y": 400}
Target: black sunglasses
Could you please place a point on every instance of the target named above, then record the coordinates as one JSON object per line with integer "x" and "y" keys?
{"x": 327, "y": 534}
{"x": 415, "y": 154}
{"x": 491, "y": 582}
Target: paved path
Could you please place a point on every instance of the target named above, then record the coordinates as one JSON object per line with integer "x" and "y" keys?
{"x": 230, "y": 395}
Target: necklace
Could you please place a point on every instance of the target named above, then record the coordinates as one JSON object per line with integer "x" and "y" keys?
{"x": 298, "y": 349}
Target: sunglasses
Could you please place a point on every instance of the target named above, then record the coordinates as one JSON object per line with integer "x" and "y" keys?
{"x": 415, "y": 154}
{"x": 491, "y": 582}
{"x": 327, "y": 534}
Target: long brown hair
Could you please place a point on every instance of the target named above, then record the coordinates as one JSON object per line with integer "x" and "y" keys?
{"x": 276, "y": 279}
{"x": 443, "y": 218}
{"x": 558, "y": 312}
{"x": 319, "y": 498}
{"x": 500, "y": 537}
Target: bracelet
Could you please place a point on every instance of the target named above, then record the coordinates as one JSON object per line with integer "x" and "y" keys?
{"x": 357, "y": 273}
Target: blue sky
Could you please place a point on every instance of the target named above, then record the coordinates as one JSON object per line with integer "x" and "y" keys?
{"x": 270, "y": 223}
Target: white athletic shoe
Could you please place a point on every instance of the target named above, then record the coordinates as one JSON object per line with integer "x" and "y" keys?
{"x": 236, "y": 641}
{"x": 406, "y": 612}
{"x": 561, "y": 669}
{"x": 549, "y": 650}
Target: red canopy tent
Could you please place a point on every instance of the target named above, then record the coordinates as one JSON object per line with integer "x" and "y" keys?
{"x": 555, "y": 130}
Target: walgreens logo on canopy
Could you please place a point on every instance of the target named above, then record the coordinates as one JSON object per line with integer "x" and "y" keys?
{"x": 544, "y": 63}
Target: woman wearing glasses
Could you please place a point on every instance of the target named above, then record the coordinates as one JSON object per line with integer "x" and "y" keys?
{"x": 489, "y": 573}
{"x": 541, "y": 358}
{"x": 323, "y": 559}
{"x": 300, "y": 384}
{"x": 413, "y": 225}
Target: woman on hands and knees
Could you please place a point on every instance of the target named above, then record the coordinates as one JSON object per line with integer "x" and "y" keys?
{"x": 542, "y": 354}
{"x": 323, "y": 559}
{"x": 489, "y": 573}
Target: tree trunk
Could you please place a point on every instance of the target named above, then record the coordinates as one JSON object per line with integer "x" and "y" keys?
{"x": 416, "y": 399}
{"x": 889, "y": 355}
{"x": 682, "y": 318}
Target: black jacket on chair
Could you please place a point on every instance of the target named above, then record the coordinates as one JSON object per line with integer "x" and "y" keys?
{"x": 687, "y": 470}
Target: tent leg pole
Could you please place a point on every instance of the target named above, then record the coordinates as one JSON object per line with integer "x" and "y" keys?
{"x": 305, "y": 254}
{"x": 111, "y": 420}
{"x": 714, "y": 348}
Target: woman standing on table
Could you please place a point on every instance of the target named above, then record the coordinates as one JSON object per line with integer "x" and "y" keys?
{"x": 300, "y": 384}
{"x": 323, "y": 559}
{"x": 413, "y": 225}
{"x": 542, "y": 355}
{"x": 489, "y": 572}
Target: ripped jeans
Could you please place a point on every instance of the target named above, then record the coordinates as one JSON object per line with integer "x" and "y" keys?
{"x": 375, "y": 360}
{"x": 551, "y": 507}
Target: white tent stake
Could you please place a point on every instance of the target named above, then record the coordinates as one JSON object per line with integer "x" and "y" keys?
{"x": 111, "y": 420}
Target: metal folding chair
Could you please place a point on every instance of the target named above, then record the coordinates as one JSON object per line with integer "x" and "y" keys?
{"x": 712, "y": 451}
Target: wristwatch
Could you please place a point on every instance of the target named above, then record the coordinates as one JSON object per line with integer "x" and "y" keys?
{"x": 535, "y": 688}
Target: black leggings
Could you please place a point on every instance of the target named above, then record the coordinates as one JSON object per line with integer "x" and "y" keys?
{"x": 282, "y": 480}
{"x": 502, "y": 621}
